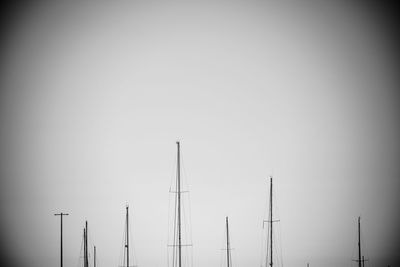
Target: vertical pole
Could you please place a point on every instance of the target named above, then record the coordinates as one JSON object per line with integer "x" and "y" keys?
{"x": 61, "y": 240}
{"x": 270, "y": 208}
{"x": 61, "y": 246}
{"x": 86, "y": 246}
{"x": 127, "y": 237}
{"x": 359, "y": 243}
{"x": 179, "y": 205}
{"x": 363, "y": 261}
{"x": 227, "y": 243}
{"x": 94, "y": 257}
{"x": 308, "y": 265}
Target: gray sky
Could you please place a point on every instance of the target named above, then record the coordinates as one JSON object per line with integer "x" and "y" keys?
{"x": 94, "y": 97}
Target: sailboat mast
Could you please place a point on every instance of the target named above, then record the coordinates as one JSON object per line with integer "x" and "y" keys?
{"x": 61, "y": 247}
{"x": 86, "y": 245}
{"x": 359, "y": 243}
{"x": 179, "y": 204}
{"x": 94, "y": 257}
{"x": 127, "y": 236}
{"x": 227, "y": 243}
{"x": 270, "y": 219}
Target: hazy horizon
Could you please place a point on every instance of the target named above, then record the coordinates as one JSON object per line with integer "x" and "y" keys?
{"x": 95, "y": 95}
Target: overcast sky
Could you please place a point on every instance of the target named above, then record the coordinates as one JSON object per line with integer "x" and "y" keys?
{"x": 94, "y": 97}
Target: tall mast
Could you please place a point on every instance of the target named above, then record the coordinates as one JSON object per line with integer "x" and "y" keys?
{"x": 227, "y": 243}
{"x": 94, "y": 257}
{"x": 270, "y": 218}
{"x": 127, "y": 237}
{"x": 61, "y": 247}
{"x": 86, "y": 245}
{"x": 359, "y": 242}
{"x": 178, "y": 172}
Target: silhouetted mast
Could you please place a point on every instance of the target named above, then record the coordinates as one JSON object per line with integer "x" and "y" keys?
{"x": 270, "y": 208}
{"x": 94, "y": 257}
{"x": 61, "y": 247}
{"x": 227, "y": 243}
{"x": 85, "y": 245}
{"x": 270, "y": 221}
{"x": 179, "y": 205}
{"x": 177, "y": 219}
{"x": 361, "y": 261}
{"x": 127, "y": 237}
{"x": 359, "y": 242}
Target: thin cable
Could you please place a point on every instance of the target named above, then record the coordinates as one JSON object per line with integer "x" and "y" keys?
{"x": 80, "y": 254}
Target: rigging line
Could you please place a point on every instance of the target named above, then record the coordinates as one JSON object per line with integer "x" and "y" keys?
{"x": 262, "y": 247}
{"x": 185, "y": 175}
{"x": 276, "y": 250}
{"x": 364, "y": 248}
{"x": 268, "y": 241}
{"x": 222, "y": 245}
{"x": 184, "y": 228}
{"x": 281, "y": 242}
{"x": 230, "y": 248}
{"x": 122, "y": 248}
{"x": 80, "y": 252}
{"x": 187, "y": 228}
{"x": 173, "y": 228}
{"x": 133, "y": 259}
{"x": 169, "y": 223}
{"x": 187, "y": 212}
{"x": 355, "y": 244}
{"x": 174, "y": 223}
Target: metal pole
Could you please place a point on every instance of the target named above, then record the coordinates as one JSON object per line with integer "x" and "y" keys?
{"x": 179, "y": 205}
{"x": 270, "y": 203}
{"x": 359, "y": 243}
{"x": 86, "y": 245}
{"x": 61, "y": 247}
{"x": 127, "y": 237}
{"x": 94, "y": 256}
{"x": 227, "y": 242}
